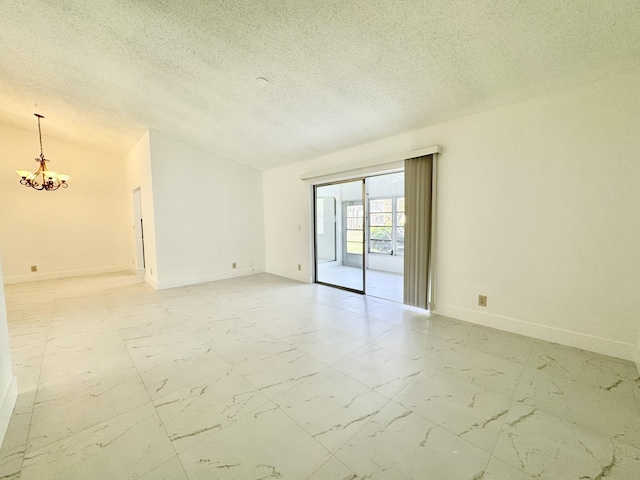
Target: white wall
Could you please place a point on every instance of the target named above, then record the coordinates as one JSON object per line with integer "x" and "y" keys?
{"x": 138, "y": 175}
{"x": 74, "y": 231}
{"x": 327, "y": 242}
{"x": 8, "y": 387}
{"x": 538, "y": 208}
{"x": 208, "y": 214}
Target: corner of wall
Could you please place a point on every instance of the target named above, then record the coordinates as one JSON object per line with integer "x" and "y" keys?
{"x": 7, "y": 403}
{"x": 8, "y": 386}
{"x": 292, "y": 274}
{"x": 139, "y": 175}
{"x": 212, "y": 277}
{"x": 189, "y": 247}
{"x": 151, "y": 281}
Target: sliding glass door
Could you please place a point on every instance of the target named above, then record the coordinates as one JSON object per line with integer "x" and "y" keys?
{"x": 386, "y": 224}
{"x": 340, "y": 240}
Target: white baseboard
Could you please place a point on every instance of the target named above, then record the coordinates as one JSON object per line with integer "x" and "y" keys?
{"x": 292, "y": 274}
{"x": 151, "y": 282}
{"x": 7, "y": 403}
{"x": 605, "y": 346}
{"x": 37, "y": 277}
{"x": 210, "y": 277}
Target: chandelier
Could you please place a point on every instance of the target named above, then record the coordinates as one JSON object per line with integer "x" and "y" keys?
{"x": 50, "y": 180}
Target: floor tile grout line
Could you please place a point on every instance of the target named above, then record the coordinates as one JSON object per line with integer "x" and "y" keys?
{"x": 164, "y": 428}
{"x": 257, "y": 390}
{"x": 35, "y": 396}
{"x": 205, "y": 438}
{"x": 332, "y": 454}
{"x": 442, "y": 372}
{"x": 155, "y": 409}
{"x": 513, "y": 399}
{"x": 91, "y": 425}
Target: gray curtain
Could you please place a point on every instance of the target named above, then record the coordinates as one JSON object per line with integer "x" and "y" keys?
{"x": 418, "y": 174}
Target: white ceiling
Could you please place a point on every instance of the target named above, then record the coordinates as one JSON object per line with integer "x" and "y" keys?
{"x": 341, "y": 72}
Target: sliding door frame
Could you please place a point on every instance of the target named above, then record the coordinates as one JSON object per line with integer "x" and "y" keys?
{"x": 365, "y": 225}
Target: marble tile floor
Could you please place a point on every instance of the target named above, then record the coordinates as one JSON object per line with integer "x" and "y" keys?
{"x": 261, "y": 377}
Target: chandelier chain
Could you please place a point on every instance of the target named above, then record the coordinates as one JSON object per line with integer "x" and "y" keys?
{"x": 40, "y": 135}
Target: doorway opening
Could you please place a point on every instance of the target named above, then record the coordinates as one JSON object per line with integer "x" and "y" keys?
{"x": 359, "y": 235}
{"x": 138, "y": 228}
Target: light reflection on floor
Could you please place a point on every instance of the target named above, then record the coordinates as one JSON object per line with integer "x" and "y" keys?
{"x": 379, "y": 284}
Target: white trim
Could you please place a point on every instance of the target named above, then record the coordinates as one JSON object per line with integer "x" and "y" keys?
{"x": 356, "y": 173}
{"x": 378, "y": 165}
{"x": 311, "y": 240}
{"x": 605, "y": 346}
{"x": 37, "y": 277}
{"x": 210, "y": 277}
{"x": 151, "y": 281}
{"x": 7, "y": 405}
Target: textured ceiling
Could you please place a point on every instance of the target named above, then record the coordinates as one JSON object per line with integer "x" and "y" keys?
{"x": 341, "y": 72}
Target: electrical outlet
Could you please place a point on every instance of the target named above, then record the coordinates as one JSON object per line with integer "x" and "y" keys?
{"x": 482, "y": 300}
{"x": 34, "y": 268}
{"x": 299, "y": 267}
{"x": 233, "y": 265}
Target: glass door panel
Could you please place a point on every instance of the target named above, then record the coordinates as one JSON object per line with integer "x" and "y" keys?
{"x": 385, "y": 228}
{"x": 353, "y": 214}
{"x": 340, "y": 241}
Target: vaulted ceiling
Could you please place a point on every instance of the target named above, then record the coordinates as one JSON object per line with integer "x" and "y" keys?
{"x": 340, "y": 72}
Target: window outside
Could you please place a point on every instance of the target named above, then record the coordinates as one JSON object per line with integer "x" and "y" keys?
{"x": 355, "y": 224}
{"x": 386, "y": 226}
